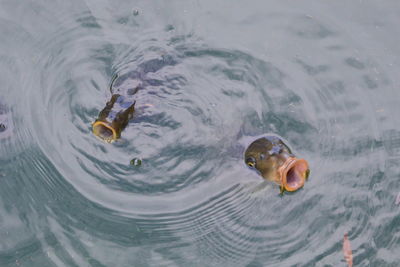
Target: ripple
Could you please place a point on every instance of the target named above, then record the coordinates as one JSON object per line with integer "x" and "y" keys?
{"x": 182, "y": 135}
{"x": 192, "y": 201}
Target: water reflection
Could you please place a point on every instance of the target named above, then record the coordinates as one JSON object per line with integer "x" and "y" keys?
{"x": 69, "y": 199}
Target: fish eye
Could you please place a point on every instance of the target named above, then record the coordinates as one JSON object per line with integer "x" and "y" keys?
{"x": 251, "y": 162}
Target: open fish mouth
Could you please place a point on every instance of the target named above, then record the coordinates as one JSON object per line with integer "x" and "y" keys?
{"x": 113, "y": 118}
{"x": 293, "y": 173}
{"x": 104, "y": 131}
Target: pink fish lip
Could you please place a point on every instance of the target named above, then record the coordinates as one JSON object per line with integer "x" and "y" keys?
{"x": 293, "y": 173}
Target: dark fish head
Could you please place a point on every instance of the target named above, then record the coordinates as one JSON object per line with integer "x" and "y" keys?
{"x": 275, "y": 162}
{"x": 113, "y": 118}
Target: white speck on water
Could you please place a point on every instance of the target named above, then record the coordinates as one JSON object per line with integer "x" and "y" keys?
{"x": 397, "y": 202}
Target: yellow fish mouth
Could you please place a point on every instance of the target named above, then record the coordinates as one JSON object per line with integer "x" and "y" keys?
{"x": 104, "y": 131}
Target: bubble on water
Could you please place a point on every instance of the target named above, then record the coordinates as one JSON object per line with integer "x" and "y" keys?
{"x": 136, "y": 162}
{"x": 169, "y": 28}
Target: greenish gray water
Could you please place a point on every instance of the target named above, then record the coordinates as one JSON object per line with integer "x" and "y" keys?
{"x": 324, "y": 76}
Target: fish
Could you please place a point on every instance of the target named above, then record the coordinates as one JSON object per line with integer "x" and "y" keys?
{"x": 119, "y": 110}
{"x": 348, "y": 255}
{"x": 274, "y": 160}
{"x": 113, "y": 118}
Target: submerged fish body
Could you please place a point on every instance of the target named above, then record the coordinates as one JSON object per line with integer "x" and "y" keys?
{"x": 274, "y": 160}
{"x": 114, "y": 117}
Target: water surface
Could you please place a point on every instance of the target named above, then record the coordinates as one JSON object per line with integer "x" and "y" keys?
{"x": 323, "y": 76}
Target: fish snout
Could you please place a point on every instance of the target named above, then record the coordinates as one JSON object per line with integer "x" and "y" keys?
{"x": 293, "y": 173}
{"x": 105, "y": 131}
{"x": 113, "y": 118}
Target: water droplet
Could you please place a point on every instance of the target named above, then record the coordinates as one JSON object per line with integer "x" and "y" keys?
{"x": 136, "y": 162}
{"x": 169, "y": 28}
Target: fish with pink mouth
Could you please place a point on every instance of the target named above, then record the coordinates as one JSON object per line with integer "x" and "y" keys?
{"x": 274, "y": 160}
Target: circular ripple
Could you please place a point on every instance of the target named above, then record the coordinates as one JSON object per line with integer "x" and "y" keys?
{"x": 192, "y": 199}
{"x": 178, "y": 131}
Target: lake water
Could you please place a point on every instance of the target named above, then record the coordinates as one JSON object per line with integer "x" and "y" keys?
{"x": 322, "y": 75}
